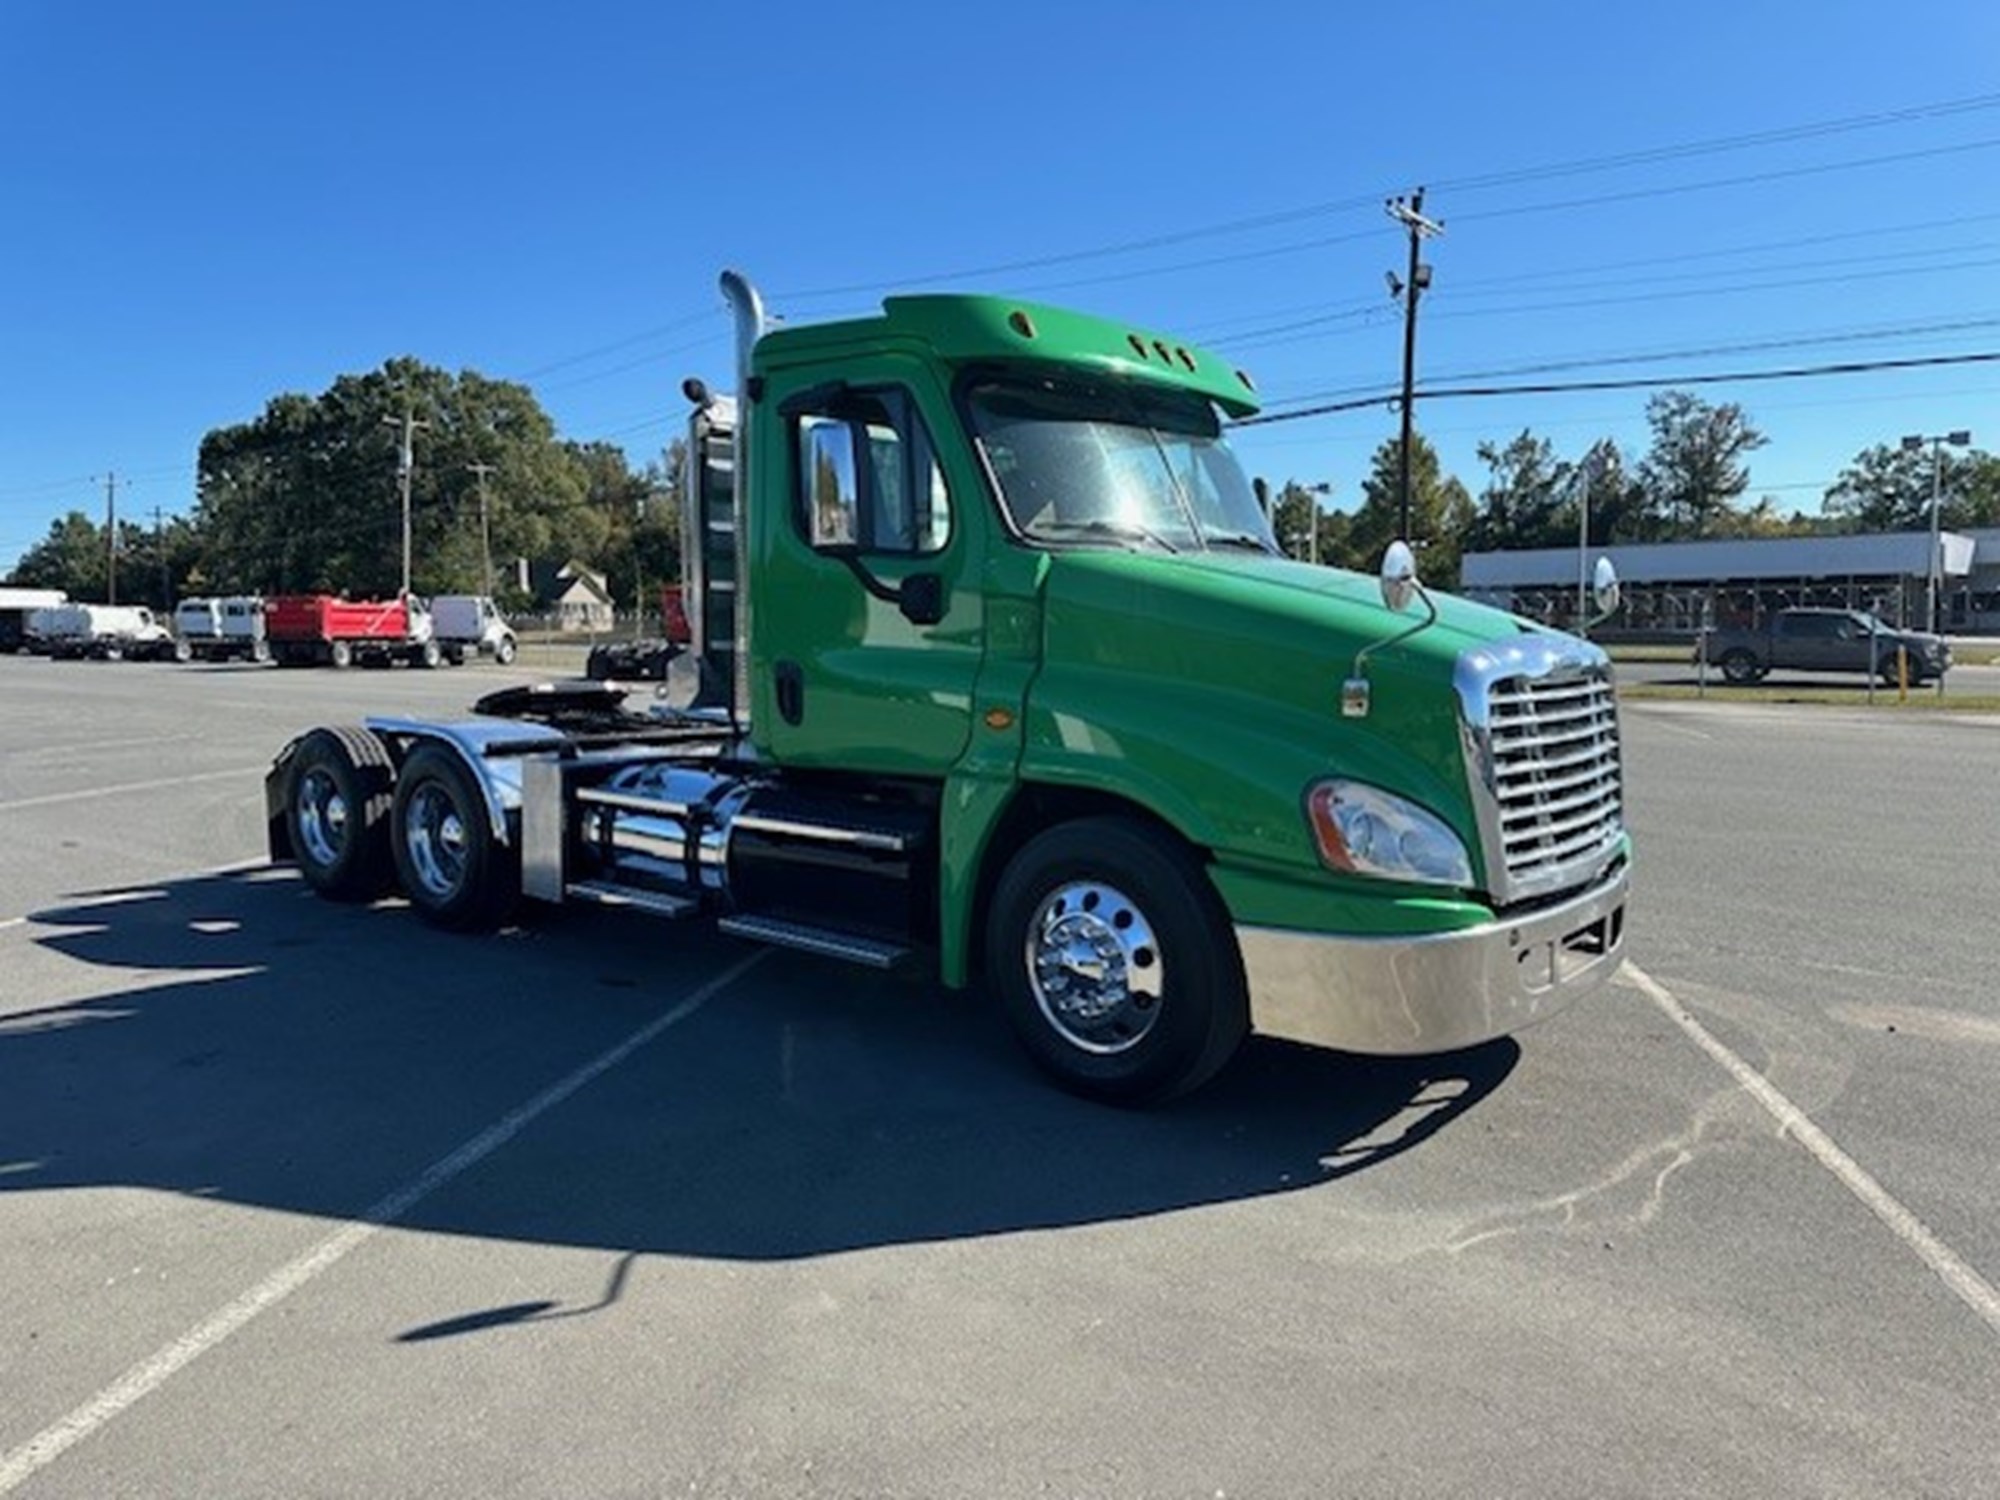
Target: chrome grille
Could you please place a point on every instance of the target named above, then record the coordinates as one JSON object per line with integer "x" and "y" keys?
{"x": 1543, "y": 751}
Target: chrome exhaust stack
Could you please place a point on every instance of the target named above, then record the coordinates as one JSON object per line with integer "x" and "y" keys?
{"x": 748, "y": 307}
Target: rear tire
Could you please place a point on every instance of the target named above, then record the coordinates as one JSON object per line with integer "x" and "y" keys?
{"x": 338, "y": 809}
{"x": 1115, "y": 962}
{"x": 457, "y": 875}
{"x": 1740, "y": 667}
{"x": 341, "y": 654}
{"x": 183, "y": 652}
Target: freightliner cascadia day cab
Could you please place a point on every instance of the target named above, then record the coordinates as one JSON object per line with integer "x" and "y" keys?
{"x": 997, "y": 676}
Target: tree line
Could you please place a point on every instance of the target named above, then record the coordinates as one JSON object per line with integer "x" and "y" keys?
{"x": 306, "y": 498}
{"x": 1690, "y": 484}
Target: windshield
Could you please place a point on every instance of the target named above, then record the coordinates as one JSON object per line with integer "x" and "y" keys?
{"x": 1115, "y": 465}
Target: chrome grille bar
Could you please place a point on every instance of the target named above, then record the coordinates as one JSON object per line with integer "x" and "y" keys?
{"x": 1543, "y": 758}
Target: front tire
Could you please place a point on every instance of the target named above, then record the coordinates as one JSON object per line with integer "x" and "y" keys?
{"x": 456, "y": 873}
{"x": 1115, "y": 962}
{"x": 338, "y": 807}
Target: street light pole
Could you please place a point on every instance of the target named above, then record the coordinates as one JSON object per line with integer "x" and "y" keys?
{"x": 1312, "y": 519}
{"x": 1960, "y": 438}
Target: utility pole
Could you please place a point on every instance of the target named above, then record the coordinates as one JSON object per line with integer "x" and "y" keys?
{"x": 110, "y": 538}
{"x": 160, "y": 546}
{"x": 485, "y": 530}
{"x": 405, "y": 462}
{"x": 1409, "y": 212}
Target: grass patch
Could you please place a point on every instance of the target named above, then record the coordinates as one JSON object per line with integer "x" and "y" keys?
{"x": 1972, "y": 656}
{"x": 1921, "y": 700}
{"x": 1651, "y": 653}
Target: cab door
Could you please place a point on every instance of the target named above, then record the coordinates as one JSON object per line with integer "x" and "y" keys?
{"x": 867, "y": 622}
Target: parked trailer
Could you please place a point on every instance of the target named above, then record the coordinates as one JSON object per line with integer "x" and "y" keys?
{"x": 307, "y": 630}
{"x": 104, "y": 632}
{"x": 19, "y": 617}
{"x": 228, "y": 629}
{"x": 1007, "y": 683}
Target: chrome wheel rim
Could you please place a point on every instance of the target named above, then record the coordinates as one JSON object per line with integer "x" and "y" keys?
{"x": 434, "y": 834}
{"x": 322, "y": 818}
{"x": 1095, "y": 967}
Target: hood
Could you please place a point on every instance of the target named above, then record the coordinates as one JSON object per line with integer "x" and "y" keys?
{"x": 1229, "y": 668}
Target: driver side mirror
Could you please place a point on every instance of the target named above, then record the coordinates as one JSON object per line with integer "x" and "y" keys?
{"x": 921, "y": 598}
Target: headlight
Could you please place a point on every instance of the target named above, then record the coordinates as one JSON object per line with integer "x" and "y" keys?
{"x": 1367, "y": 831}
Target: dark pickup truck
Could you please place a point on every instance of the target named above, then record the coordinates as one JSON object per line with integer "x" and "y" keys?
{"x": 1824, "y": 640}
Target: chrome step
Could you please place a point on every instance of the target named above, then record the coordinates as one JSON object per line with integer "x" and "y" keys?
{"x": 869, "y": 952}
{"x": 653, "y": 903}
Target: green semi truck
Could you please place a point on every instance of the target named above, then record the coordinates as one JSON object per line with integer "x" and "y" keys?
{"x": 998, "y": 678}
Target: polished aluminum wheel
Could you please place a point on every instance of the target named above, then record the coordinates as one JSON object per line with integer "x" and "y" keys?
{"x": 321, "y": 815}
{"x": 434, "y": 836}
{"x": 1095, "y": 967}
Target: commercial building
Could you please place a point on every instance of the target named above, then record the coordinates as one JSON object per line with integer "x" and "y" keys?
{"x": 1673, "y": 588}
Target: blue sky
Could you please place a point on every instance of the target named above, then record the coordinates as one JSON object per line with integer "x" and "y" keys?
{"x": 210, "y": 203}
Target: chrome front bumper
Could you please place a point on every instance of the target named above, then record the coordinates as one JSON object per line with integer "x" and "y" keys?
{"x": 1434, "y": 992}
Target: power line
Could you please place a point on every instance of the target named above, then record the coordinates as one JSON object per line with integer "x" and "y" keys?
{"x": 1710, "y": 146}
{"x": 1748, "y": 346}
{"x": 1550, "y": 388}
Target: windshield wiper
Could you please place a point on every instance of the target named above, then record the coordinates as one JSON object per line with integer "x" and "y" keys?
{"x": 1248, "y": 539}
{"x": 1131, "y": 531}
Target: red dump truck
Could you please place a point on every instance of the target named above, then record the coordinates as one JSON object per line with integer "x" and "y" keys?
{"x": 319, "y": 629}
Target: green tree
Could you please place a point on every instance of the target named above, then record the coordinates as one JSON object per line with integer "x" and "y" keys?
{"x": 1529, "y": 499}
{"x": 1296, "y": 511}
{"x": 1440, "y": 514}
{"x": 1888, "y": 488}
{"x": 72, "y": 557}
{"x": 1695, "y": 469}
{"x": 306, "y": 495}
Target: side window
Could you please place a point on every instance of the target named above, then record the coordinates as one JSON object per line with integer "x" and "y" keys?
{"x": 868, "y": 477}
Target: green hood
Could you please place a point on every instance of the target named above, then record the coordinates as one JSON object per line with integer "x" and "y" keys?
{"x": 1213, "y": 681}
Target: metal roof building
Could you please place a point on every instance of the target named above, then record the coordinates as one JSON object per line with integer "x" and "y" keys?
{"x": 1675, "y": 586}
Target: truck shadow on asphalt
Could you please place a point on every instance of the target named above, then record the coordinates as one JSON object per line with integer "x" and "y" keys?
{"x": 235, "y": 1037}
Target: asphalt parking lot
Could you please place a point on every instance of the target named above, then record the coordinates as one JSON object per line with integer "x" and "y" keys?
{"x": 298, "y": 1198}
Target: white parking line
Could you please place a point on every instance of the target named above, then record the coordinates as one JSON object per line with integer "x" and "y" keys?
{"x": 153, "y": 1372}
{"x": 1967, "y": 1284}
{"x": 55, "y": 798}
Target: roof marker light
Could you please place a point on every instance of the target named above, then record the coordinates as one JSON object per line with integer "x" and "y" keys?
{"x": 1021, "y": 323}
{"x": 1138, "y": 344}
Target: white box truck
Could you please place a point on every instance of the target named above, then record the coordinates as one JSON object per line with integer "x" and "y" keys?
{"x": 228, "y": 629}
{"x": 470, "y": 625}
